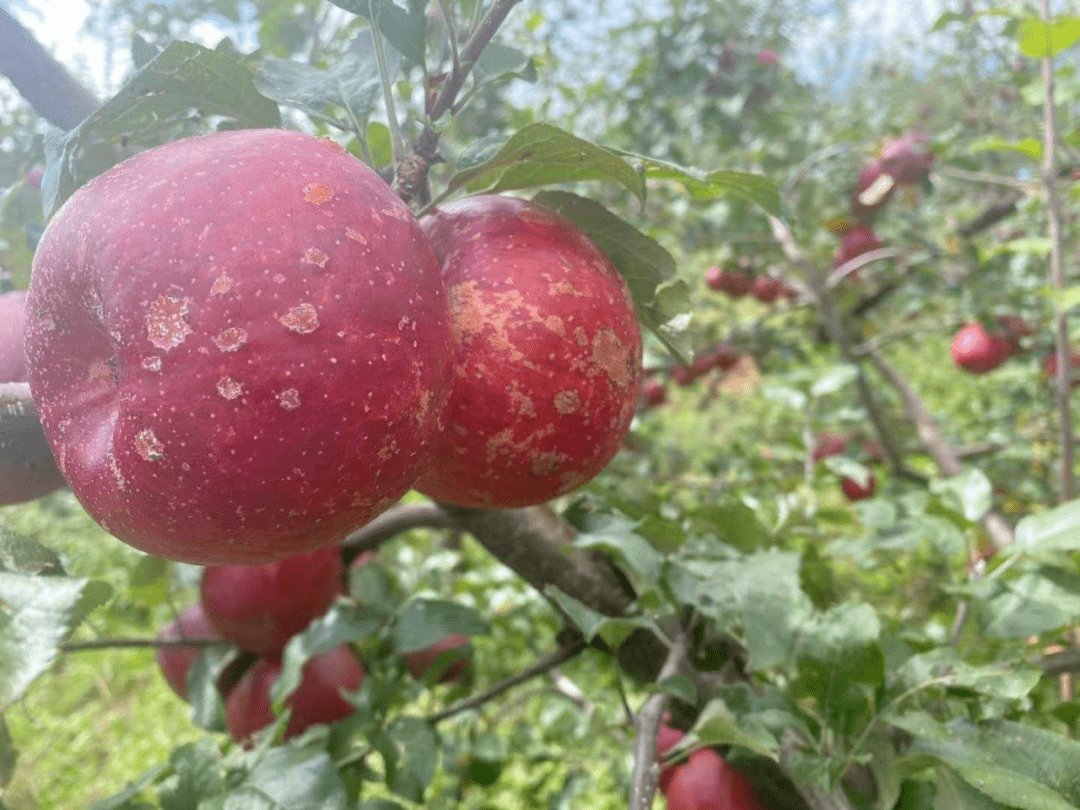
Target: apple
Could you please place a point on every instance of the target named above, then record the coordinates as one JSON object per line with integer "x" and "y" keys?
{"x": 856, "y": 491}
{"x": 176, "y": 661}
{"x": 1050, "y": 366}
{"x": 873, "y": 189}
{"x": 316, "y": 700}
{"x": 260, "y": 607}
{"x": 239, "y": 346}
{"x": 734, "y": 283}
{"x": 907, "y": 159}
{"x": 766, "y": 289}
{"x": 454, "y": 668}
{"x": 653, "y": 393}
{"x": 977, "y": 351}
{"x": 767, "y": 57}
{"x": 856, "y": 241}
{"x": 666, "y": 739}
{"x": 33, "y": 176}
{"x": 28, "y": 470}
{"x": 707, "y": 782}
{"x": 547, "y": 356}
{"x": 829, "y": 443}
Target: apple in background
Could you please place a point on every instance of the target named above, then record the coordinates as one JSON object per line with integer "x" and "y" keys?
{"x": 12, "y": 325}
{"x": 33, "y": 176}
{"x": 858, "y": 240}
{"x": 260, "y": 607}
{"x": 767, "y": 57}
{"x": 547, "y": 355}
{"x": 723, "y": 356}
{"x": 316, "y": 700}
{"x": 247, "y": 367}
{"x": 454, "y": 669}
{"x": 1014, "y": 328}
{"x": 766, "y": 289}
{"x": 829, "y": 443}
{"x": 653, "y": 393}
{"x": 1050, "y": 366}
{"x": 856, "y": 491}
{"x": 873, "y": 189}
{"x": 707, "y": 782}
{"x": 977, "y": 351}
{"x": 908, "y": 159}
{"x": 734, "y": 283}
{"x": 176, "y": 662}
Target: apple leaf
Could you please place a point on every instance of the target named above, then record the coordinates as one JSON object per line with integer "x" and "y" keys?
{"x": 287, "y": 778}
{"x": 405, "y": 30}
{"x": 716, "y": 725}
{"x": 1035, "y": 602}
{"x": 1020, "y": 766}
{"x": 423, "y": 622}
{"x": 352, "y": 84}
{"x": 1056, "y": 529}
{"x": 21, "y": 555}
{"x": 120, "y": 800}
{"x": 207, "y": 705}
{"x": 498, "y": 61}
{"x": 156, "y": 100}
{"x": 1039, "y": 39}
{"x": 944, "y": 668}
{"x": 993, "y": 143}
{"x": 414, "y": 768}
{"x": 541, "y": 155}
{"x": 953, "y": 793}
{"x": 8, "y": 754}
{"x": 37, "y": 614}
{"x": 970, "y": 493}
{"x": 1067, "y": 299}
{"x": 199, "y": 775}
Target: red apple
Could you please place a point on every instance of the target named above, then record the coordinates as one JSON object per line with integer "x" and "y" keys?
{"x": 873, "y": 189}
{"x": 829, "y": 443}
{"x": 723, "y": 356}
{"x": 977, "y": 351}
{"x": 653, "y": 393}
{"x": 766, "y": 289}
{"x": 316, "y": 700}
{"x": 707, "y": 782}
{"x": 547, "y": 362}
{"x": 856, "y": 491}
{"x": 239, "y": 346}
{"x": 454, "y": 669}
{"x": 260, "y": 607}
{"x": 856, "y": 241}
{"x": 1050, "y": 366}
{"x": 734, "y": 283}
{"x": 907, "y": 158}
{"x": 12, "y": 325}
{"x": 767, "y": 57}
{"x": 176, "y": 661}
{"x": 33, "y": 176}
{"x": 666, "y": 739}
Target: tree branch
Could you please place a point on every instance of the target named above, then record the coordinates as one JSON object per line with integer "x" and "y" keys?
{"x": 400, "y": 519}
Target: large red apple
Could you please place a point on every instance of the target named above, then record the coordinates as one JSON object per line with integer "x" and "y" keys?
{"x": 260, "y": 607}
{"x": 239, "y": 346}
{"x": 547, "y": 361}
{"x": 316, "y": 700}
{"x": 977, "y": 351}
{"x": 27, "y": 470}
{"x": 176, "y": 661}
{"x": 733, "y": 283}
{"x": 707, "y": 782}
{"x": 453, "y": 669}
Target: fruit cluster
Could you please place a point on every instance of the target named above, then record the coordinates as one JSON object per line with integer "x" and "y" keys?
{"x": 829, "y": 444}
{"x": 243, "y": 346}
{"x": 705, "y": 781}
{"x": 258, "y": 609}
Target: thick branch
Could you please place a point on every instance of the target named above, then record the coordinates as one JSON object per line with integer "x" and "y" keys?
{"x": 51, "y": 90}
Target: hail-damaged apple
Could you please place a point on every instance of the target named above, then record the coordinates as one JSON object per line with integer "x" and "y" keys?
{"x": 547, "y": 361}
{"x": 260, "y": 607}
{"x": 239, "y": 346}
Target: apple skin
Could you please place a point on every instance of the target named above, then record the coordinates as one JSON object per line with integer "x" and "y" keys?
{"x": 455, "y": 670}
{"x": 829, "y": 444}
{"x": 766, "y": 289}
{"x": 977, "y": 351}
{"x": 176, "y": 662}
{"x": 707, "y": 782}
{"x": 856, "y": 241}
{"x": 238, "y": 346}
{"x": 666, "y": 739}
{"x": 547, "y": 364}
{"x": 260, "y": 607}
{"x": 27, "y": 472}
{"x": 855, "y": 491}
{"x": 733, "y": 283}
{"x": 316, "y": 700}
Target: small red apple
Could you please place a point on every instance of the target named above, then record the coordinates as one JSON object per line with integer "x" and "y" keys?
{"x": 316, "y": 700}
{"x": 977, "y": 351}
{"x": 653, "y": 393}
{"x": 767, "y": 57}
{"x": 829, "y": 443}
{"x": 33, "y": 176}
{"x": 707, "y": 782}
{"x": 547, "y": 356}
{"x": 238, "y": 345}
{"x": 454, "y": 669}
{"x": 733, "y": 283}
{"x": 873, "y": 189}
{"x": 856, "y": 491}
{"x": 766, "y": 289}
{"x": 260, "y": 607}
{"x": 907, "y": 158}
{"x": 176, "y": 661}
{"x": 856, "y": 241}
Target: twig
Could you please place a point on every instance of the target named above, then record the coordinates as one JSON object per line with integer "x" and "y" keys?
{"x": 400, "y": 519}
{"x": 860, "y": 261}
{"x": 548, "y": 662}
{"x": 646, "y": 767}
{"x": 817, "y": 797}
{"x": 985, "y": 177}
{"x": 136, "y": 643}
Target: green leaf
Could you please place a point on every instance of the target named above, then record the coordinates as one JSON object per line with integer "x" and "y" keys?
{"x": 198, "y": 775}
{"x": 618, "y": 537}
{"x": 1067, "y": 299}
{"x": 944, "y": 668}
{"x": 37, "y": 614}
{"x": 423, "y": 622}
{"x": 207, "y": 705}
{"x": 680, "y": 687}
{"x": 132, "y": 790}
{"x": 148, "y": 570}
{"x": 405, "y": 30}
{"x": 541, "y": 155}
{"x": 499, "y": 61}
{"x": 1056, "y": 529}
{"x": 341, "y": 624}
{"x": 716, "y": 725}
{"x": 992, "y": 143}
{"x": 756, "y": 188}
{"x": 835, "y": 379}
{"x": 8, "y": 754}
{"x": 1018, "y": 765}
{"x": 352, "y": 84}
{"x": 970, "y": 493}
{"x": 298, "y": 779}
{"x": 953, "y": 793}
{"x": 417, "y": 748}
{"x": 1038, "y": 39}
{"x": 1036, "y": 602}
{"x": 21, "y": 555}
{"x": 838, "y": 634}
{"x": 584, "y": 618}
{"x": 182, "y": 77}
